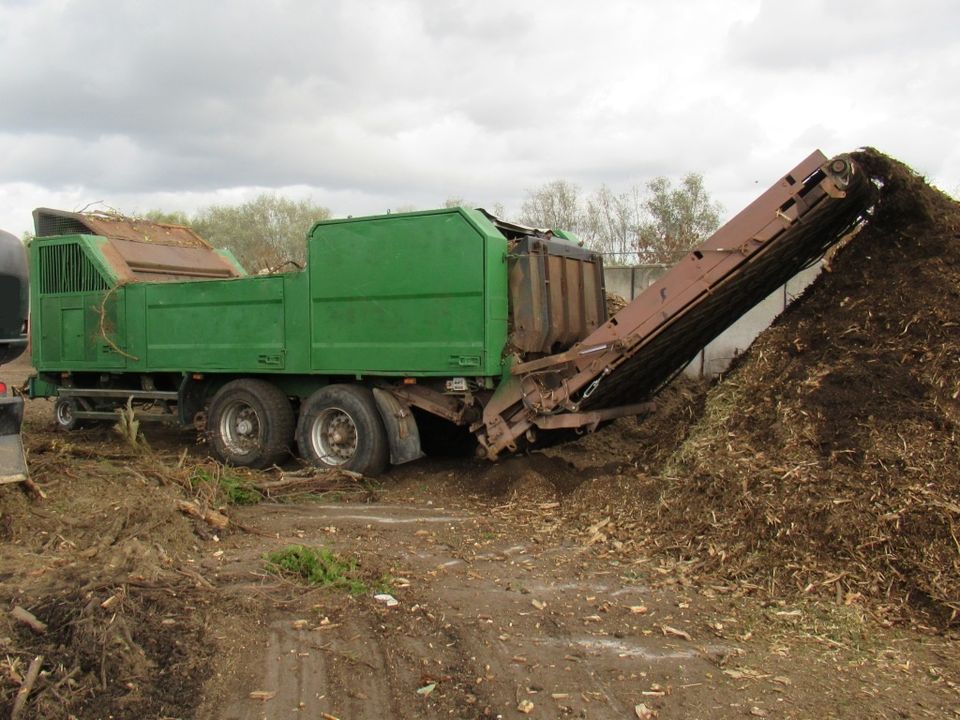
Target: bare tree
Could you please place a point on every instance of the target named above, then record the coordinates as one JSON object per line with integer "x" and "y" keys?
{"x": 654, "y": 224}
{"x": 556, "y": 205}
{"x": 406, "y": 208}
{"x": 613, "y": 224}
{"x": 264, "y": 232}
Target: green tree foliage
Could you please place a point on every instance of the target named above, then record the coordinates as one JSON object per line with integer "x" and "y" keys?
{"x": 676, "y": 219}
{"x": 267, "y": 232}
{"x": 168, "y": 218}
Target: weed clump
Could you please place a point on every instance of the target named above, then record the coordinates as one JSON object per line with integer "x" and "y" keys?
{"x": 233, "y": 489}
{"x": 319, "y": 567}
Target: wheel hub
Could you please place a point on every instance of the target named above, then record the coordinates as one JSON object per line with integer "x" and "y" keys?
{"x": 335, "y": 436}
{"x": 240, "y": 428}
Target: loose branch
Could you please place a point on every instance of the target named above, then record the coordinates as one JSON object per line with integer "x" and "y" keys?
{"x": 24, "y": 692}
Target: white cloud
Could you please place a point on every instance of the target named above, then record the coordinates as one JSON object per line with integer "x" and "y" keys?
{"x": 367, "y": 105}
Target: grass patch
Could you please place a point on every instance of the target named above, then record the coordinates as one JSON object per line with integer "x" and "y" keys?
{"x": 318, "y": 567}
{"x": 234, "y": 490}
{"x": 238, "y": 491}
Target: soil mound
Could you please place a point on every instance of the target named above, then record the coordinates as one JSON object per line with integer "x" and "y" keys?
{"x": 106, "y": 564}
{"x": 827, "y": 460}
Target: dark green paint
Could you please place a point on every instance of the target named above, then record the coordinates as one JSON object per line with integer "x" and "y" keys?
{"x": 414, "y": 294}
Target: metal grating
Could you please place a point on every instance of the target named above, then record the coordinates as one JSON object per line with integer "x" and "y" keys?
{"x": 64, "y": 268}
{"x": 49, "y": 224}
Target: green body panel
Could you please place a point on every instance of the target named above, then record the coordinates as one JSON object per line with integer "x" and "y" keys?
{"x": 71, "y": 330}
{"x": 415, "y": 294}
{"x": 70, "y": 304}
{"x": 214, "y": 325}
{"x": 408, "y": 294}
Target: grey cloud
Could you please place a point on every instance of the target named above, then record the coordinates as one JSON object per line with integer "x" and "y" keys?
{"x": 824, "y": 33}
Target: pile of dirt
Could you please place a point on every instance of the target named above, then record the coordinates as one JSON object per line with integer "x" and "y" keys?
{"x": 106, "y": 564}
{"x": 644, "y": 442}
{"x": 828, "y": 460}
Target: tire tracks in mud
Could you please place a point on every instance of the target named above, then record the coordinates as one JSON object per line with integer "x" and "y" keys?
{"x": 484, "y": 626}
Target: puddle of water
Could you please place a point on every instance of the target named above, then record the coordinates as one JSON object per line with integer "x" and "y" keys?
{"x": 362, "y": 507}
{"x": 586, "y": 587}
{"x": 514, "y": 553}
{"x": 631, "y": 590}
{"x": 437, "y": 560}
{"x": 383, "y": 514}
{"x": 547, "y": 588}
{"x": 623, "y": 648}
{"x": 385, "y": 520}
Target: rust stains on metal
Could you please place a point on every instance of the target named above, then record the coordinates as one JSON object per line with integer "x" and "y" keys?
{"x": 139, "y": 249}
{"x": 556, "y": 294}
{"x": 116, "y": 227}
{"x": 167, "y": 262}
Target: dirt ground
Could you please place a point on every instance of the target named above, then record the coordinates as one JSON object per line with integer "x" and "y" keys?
{"x": 509, "y": 600}
{"x": 782, "y": 544}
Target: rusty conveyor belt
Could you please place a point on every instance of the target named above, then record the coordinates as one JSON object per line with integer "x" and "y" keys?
{"x": 628, "y": 359}
{"x": 679, "y": 339}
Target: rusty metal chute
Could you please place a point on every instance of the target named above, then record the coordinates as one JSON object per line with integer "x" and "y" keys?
{"x": 627, "y": 359}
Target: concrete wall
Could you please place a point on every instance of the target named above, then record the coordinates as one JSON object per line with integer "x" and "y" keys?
{"x": 628, "y": 282}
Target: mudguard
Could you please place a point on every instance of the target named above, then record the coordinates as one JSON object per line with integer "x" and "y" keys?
{"x": 401, "y": 427}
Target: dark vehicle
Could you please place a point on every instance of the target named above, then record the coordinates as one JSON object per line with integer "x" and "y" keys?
{"x": 13, "y": 341}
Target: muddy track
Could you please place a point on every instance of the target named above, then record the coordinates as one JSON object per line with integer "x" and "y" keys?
{"x": 494, "y": 613}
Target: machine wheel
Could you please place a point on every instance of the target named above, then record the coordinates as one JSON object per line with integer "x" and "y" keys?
{"x": 340, "y": 426}
{"x": 250, "y": 423}
{"x": 65, "y": 413}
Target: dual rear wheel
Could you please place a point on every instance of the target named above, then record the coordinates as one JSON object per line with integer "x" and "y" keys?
{"x": 251, "y": 423}
{"x": 340, "y": 426}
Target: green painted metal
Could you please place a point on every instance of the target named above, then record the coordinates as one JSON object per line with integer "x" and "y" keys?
{"x": 72, "y": 304}
{"x": 413, "y": 294}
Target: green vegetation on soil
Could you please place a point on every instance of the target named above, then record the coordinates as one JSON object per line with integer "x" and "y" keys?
{"x": 315, "y": 566}
{"x": 235, "y": 490}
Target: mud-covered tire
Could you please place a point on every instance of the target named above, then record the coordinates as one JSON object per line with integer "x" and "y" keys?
{"x": 340, "y": 427}
{"x": 65, "y": 414}
{"x": 250, "y": 424}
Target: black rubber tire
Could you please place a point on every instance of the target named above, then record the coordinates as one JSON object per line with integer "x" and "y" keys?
{"x": 363, "y": 448}
{"x": 250, "y": 424}
{"x": 64, "y": 414}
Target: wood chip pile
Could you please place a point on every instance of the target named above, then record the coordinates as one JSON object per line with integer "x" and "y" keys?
{"x": 828, "y": 461}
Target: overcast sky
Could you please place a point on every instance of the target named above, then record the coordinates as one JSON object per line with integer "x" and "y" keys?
{"x": 365, "y": 106}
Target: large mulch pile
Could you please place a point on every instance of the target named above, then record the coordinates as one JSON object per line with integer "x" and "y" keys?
{"x": 828, "y": 461}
